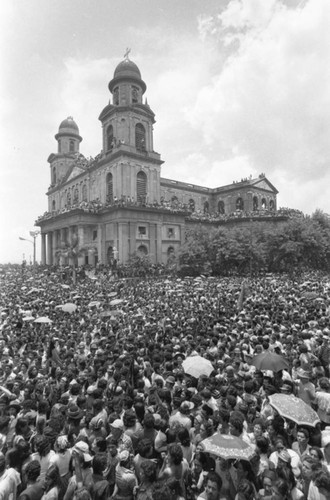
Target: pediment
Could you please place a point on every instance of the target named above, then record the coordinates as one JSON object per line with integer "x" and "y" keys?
{"x": 265, "y": 185}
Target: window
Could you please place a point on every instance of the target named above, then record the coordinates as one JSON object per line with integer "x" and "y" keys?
{"x": 174, "y": 201}
{"x": 170, "y": 232}
{"x": 116, "y": 96}
{"x": 135, "y": 95}
{"x": 141, "y": 187}
{"x": 109, "y": 187}
{"x": 140, "y": 137}
{"x": 142, "y": 231}
{"x": 68, "y": 199}
{"x": 255, "y": 203}
{"x": 221, "y": 207}
{"x": 76, "y": 196}
{"x": 53, "y": 205}
{"x": 142, "y": 249}
{"x": 54, "y": 175}
{"x": 170, "y": 253}
{"x": 84, "y": 192}
{"x": 71, "y": 146}
{"x": 94, "y": 235}
{"x": 264, "y": 203}
{"x": 206, "y": 207}
{"x": 271, "y": 205}
{"x": 239, "y": 204}
{"x": 110, "y": 138}
{"x": 191, "y": 204}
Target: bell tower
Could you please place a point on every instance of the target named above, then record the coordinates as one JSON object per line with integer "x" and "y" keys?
{"x": 127, "y": 121}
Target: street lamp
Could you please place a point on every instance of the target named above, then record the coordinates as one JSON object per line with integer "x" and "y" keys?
{"x": 34, "y": 235}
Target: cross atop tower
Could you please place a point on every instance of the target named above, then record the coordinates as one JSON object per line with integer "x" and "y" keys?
{"x": 127, "y": 54}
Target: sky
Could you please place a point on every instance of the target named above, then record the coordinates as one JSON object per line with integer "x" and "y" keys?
{"x": 238, "y": 87}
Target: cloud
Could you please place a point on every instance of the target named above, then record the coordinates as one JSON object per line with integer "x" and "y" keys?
{"x": 270, "y": 100}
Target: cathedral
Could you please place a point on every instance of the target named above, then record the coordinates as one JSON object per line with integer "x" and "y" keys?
{"x": 117, "y": 203}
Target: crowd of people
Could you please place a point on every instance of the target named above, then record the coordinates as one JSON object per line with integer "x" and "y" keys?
{"x": 173, "y": 206}
{"x": 97, "y": 402}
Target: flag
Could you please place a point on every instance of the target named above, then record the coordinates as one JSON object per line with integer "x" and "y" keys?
{"x": 20, "y": 238}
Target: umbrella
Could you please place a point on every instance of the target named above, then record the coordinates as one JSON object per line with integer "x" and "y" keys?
{"x": 66, "y": 287}
{"x": 105, "y": 314}
{"x": 197, "y": 366}
{"x": 115, "y": 302}
{"x": 28, "y": 318}
{"x": 43, "y": 319}
{"x": 112, "y": 294}
{"x": 227, "y": 447}
{"x": 68, "y": 307}
{"x": 309, "y": 295}
{"x": 270, "y": 361}
{"x": 295, "y": 409}
{"x": 94, "y": 303}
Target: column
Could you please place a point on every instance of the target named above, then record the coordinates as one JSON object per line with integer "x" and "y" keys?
{"x": 49, "y": 248}
{"x": 81, "y": 242}
{"x": 54, "y": 247}
{"x": 43, "y": 249}
{"x": 99, "y": 243}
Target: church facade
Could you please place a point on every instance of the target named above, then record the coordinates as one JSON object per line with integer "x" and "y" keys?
{"x": 117, "y": 203}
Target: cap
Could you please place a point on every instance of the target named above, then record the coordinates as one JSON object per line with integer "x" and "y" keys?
{"x": 83, "y": 448}
{"x": 117, "y": 424}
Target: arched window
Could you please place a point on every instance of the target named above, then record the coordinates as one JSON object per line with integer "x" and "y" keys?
{"x": 142, "y": 249}
{"x": 221, "y": 207}
{"x": 140, "y": 137}
{"x": 174, "y": 201}
{"x": 116, "y": 96}
{"x": 109, "y": 184}
{"x": 239, "y": 204}
{"x": 84, "y": 192}
{"x": 206, "y": 207}
{"x": 135, "y": 95}
{"x": 75, "y": 195}
{"x": 264, "y": 203}
{"x": 54, "y": 175}
{"x": 109, "y": 138}
{"x": 255, "y": 202}
{"x": 191, "y": 205}
{"x": 271, "y": 205}
{"x": 141, "y": 187}
{"x": 53, "y": 206}
{"x": 68, "y": 199}
{"x": 71, "y": 146}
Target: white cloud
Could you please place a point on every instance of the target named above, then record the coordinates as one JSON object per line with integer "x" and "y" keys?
{"x": 271, "y": 99}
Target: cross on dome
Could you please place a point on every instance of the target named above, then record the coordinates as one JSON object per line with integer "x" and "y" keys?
{"x": 127, "y": 54}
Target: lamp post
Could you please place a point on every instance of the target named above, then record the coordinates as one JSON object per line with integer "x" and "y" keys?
{"x": 34, "y": 235}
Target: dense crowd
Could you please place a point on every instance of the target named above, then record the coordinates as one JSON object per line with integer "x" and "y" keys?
{"x": 97, "y": 401}
{"x": 96, "y": 206}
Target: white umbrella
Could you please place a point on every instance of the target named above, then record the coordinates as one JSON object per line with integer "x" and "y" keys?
{"x": 65, "y": 286}
{"x": 197, "y": 366}
{"x": 94, "y": 303}
{"x": 69, "y": 307}
{"x": 115, "y": 302}
{"x": 28, "y": 318}
{"x": 43, "y": 319}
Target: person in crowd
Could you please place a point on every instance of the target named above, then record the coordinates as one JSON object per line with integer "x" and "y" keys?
{"x": 100, "y": 402}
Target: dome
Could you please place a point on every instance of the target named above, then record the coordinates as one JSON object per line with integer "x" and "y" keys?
{"x": 69, "y": 123}
{"x": 126, "y": 69}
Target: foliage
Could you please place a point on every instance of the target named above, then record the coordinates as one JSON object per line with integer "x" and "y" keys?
{"x": 294, "y": 246}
